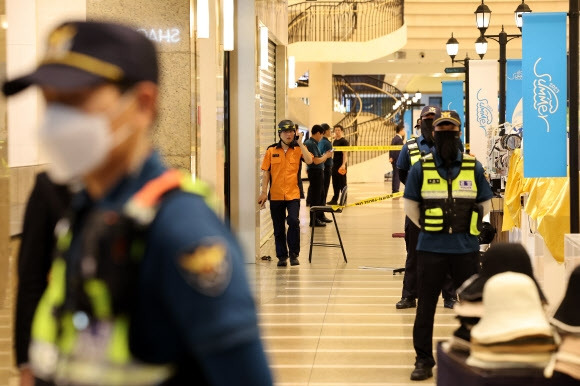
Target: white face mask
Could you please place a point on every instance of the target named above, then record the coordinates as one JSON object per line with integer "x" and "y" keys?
{"x": 76, "y": 142}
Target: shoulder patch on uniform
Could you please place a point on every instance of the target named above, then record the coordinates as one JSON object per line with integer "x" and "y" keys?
{"x": 207, "y": 267}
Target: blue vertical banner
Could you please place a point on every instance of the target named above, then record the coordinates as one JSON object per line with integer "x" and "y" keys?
{"x": 513, "y": 93}
{"x": 544, "y": 70}
{"x": 453, "y": 100}
{"x": 408, "y": 120}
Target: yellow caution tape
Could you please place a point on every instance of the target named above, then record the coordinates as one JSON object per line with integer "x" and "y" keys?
{"x": 370, "y": 200}
{"x": 366, "y": 148}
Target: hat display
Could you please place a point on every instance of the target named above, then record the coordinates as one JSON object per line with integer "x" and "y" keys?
{"x": 85, "y": 54}
{"x": 567, "y": 316}
{"x": 512, "y": 309}
{"x": 568, "y": 356}
{"x": 430, "y": 110}
{"x": 448, "y": 116}
{"x": 500, "y": 257}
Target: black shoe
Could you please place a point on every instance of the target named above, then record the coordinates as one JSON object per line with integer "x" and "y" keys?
{"x": 282, "y": 262}
{"x": 325, "y": 219}
{"x": 294, "y": 259}
{"x": 406, "y": 303}
{"x": 318, "y": 223}
{"x": 449, "y": 303}
{"x": 421, "y": 372}
{"x": 332, "y": 202}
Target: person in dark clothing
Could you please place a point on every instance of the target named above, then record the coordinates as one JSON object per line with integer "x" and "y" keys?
{"x": 397, "y": 140}
{"x": 46, "y": 205}
{"x": 316, "y": 173}
{"x": 339, "y": 162}
{"x": 412, "y": 151}
{"x": 449, "y": 224}
{"x": 324, "y": 145}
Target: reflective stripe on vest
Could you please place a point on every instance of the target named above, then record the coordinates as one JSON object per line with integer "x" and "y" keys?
{"x": 414, "y": 152}
{"x": 65, "y": 347}
{"x": 440, "y": 196}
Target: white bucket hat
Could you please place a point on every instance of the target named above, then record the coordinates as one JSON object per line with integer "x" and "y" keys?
{"x": 512, "y": 309}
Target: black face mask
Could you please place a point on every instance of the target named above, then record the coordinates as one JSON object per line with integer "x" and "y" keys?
{"x": 447, "y": 145}
{"x": 427, "y": 129}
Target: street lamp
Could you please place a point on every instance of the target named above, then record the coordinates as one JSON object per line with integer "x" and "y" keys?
{"x": 452, "y": 47}
{"x": 482, "y": 18}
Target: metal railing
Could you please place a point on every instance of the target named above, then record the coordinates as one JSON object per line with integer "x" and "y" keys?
{"x": 346, "y": 21}
{"x": 367, "y": 96}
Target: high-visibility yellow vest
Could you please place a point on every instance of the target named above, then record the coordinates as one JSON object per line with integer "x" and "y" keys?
{"x": 449, "y": 205}
{"x": 414, "y": 152}
{"x": 83, "y": 337}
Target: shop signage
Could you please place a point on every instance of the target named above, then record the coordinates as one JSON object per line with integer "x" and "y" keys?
{"x": 454, "y": 70}
{"x": 453, "y": 99}
{"x": 483, "y": 105}
{"x": 544, "y": 67}
{"x": 513, "y": 90}
{"x": 160, "y": 35}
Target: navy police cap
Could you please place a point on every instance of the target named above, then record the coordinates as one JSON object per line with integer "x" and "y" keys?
{"x": 84, "y": 54}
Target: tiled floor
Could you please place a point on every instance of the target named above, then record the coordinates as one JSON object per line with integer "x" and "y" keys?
{"x": 329, "y": 322}
{"x": 335, "y": 323}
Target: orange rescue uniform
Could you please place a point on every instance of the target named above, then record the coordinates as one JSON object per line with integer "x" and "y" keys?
{"x": 283, "y": 169}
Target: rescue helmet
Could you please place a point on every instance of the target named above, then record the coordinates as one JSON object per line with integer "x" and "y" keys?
{"x": 286, "y": 125}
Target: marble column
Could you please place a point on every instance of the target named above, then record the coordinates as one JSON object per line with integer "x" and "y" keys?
{"x": 168, "y": 23}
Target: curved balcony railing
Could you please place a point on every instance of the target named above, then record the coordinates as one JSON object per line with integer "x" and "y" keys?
{"x": 363, "y": 96}
{"x": 346, "y": 21}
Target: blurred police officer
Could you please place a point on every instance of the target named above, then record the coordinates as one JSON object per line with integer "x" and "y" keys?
{"x": 281, "y": 169}
{"x": 147, "y": 285}
{"x": 446, "y": 196}
{"x": 410, "y": 154}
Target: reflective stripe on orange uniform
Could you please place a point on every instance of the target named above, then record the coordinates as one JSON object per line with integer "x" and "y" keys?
{"x": 283, "y": 169}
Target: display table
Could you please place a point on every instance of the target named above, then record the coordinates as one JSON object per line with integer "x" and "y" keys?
{"x": 452, "y": 371}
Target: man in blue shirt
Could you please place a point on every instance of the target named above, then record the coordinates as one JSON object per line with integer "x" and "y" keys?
{"x": 410, "y": 154}
{"x": 446, "y": 195}
{"x": 148, "y": 285}
{"x": 325, "y": 145}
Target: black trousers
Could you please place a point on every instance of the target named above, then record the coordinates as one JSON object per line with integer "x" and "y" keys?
{"x": 327, "y": 175}
{"x": 292, "y": 239}
{"x": 410, "y": 280}
{"x": 396, "y": 182}
{"x": 316, "y": 179}
{"x": 338, "y": 182}
{"x": 433, "y": 267}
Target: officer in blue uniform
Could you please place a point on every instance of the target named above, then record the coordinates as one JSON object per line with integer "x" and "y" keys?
{"x": 446, "y": 195}
{"x": 148, "y": 285}
{"x": 410, "y": 154}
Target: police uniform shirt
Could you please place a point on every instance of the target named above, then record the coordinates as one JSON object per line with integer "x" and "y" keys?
{"x": 312, "y": 146}
{"x": 284, "y": 170}
{"x": 404, "y": 160}
{"x": 442, "y": 242}
{"x": 193, "y": 301}
{"x": 324, "y": 145}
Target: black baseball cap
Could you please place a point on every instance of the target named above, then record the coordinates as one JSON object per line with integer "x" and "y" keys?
{"x": 448, "y": 116}
{"x": 84, "y": 54}
{"x": 431, "y": 110}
